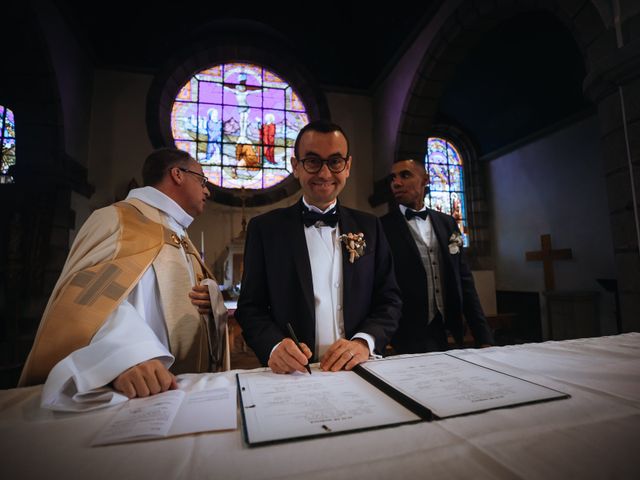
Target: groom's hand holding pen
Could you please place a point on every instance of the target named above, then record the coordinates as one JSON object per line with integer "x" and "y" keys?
{"x": 299, "y": 345}
{"x": 290, "y": 356}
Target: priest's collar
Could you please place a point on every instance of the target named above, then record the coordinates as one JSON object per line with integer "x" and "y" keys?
{"x": 313, "y": 208}
{"x": 159, "y": 200}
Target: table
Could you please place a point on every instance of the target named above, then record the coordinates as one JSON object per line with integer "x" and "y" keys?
{"x": 594, "y": 434}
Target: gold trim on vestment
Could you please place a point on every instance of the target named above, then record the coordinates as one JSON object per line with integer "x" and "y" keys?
{"x": 92, "y": 294}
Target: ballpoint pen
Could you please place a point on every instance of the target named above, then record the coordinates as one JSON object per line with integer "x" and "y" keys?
{"x": 295, "y": 339}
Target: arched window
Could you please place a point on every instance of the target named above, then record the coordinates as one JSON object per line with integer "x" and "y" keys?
{"x": 446, "y": 182}
{"x": 8, "y": 143}
{"x": 240, "y": 122}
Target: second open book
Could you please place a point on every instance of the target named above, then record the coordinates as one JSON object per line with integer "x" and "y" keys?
{"x": 376, "y": 394}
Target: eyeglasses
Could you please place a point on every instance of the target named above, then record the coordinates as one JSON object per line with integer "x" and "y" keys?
{"x": 314, "y": 164}
{"x": 203, "y": 178}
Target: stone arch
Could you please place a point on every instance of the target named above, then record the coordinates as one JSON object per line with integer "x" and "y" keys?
{"x": 606, "y": 35}
{"x": 456, "y": 36}
{"x": 471, "y": 20}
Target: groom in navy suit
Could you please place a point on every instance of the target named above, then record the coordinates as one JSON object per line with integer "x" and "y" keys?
{"x": 435, "y": 280}
{"x": 308, "y": 266}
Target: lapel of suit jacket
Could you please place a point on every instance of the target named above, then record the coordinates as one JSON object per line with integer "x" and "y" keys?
{"x": 402, "y": 227}
{"x": 347, "y": 224}
{"x": 442, "y": 234}
{"x": 295, "y": 231}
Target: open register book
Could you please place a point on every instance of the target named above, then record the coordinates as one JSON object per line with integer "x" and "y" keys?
{"x": 376, "y": 394}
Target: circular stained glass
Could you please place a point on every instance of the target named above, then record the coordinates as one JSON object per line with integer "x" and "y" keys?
{"x": 240, "y": 122}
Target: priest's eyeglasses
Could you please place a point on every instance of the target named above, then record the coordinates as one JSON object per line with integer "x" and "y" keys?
{"x": 314, "y": 164}
{"x": 203, "y": 178}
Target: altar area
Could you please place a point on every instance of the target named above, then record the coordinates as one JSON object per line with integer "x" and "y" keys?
{"x": 593, "y": 434}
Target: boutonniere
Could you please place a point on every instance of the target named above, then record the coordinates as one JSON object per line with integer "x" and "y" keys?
{"x": 355, "y": 244}
{"x": 455, "y": 243}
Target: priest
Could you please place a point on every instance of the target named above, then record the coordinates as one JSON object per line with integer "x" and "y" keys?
{"x": 134, "y": 305}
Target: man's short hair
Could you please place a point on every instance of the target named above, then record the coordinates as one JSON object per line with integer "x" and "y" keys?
{"x": 322, "y": 126}
{"x": 418, "y": 164}
{"x": 160, "y": 162}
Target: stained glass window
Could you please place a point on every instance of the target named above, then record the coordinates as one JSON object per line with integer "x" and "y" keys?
{"x": 446, "y": 182}
{"x": 240, "y": 121}
{"x": 8, "y": 142}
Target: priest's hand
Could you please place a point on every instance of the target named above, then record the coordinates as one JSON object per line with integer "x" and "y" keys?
{"x": 287, "y": 357}
{"x": 146, "y": 378}
{"x": 345, "y": 354}
{"x": 200, "y": 298}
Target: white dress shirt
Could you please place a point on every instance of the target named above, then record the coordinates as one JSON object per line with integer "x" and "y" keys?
{"x": 325, "y": 257}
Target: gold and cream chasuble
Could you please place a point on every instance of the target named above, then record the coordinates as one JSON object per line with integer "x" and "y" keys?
{"x": 104, "y": 315}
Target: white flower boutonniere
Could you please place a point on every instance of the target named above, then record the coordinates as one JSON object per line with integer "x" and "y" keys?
{"x": 354, "y": 243}
{"x": 455, "y": 243}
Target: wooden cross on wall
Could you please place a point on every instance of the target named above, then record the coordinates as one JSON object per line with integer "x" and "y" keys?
{"x": 547, "y": 256}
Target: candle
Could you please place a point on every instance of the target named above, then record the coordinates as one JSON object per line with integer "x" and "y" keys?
{"x": 202, "y": 245}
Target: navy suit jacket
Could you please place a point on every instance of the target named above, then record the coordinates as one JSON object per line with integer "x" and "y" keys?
{"x": 277, "y": 284}
{"x": 459, "y": 292}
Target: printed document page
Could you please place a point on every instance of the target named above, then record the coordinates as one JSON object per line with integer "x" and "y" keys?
{"x": 278, "y": 407}
{"x": 175, "y": 412}
{"x": 207, "y": 410}
{"x": 451, "y": 386}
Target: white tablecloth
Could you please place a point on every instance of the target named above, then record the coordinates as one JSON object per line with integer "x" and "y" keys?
{"x": 594, "y": 434}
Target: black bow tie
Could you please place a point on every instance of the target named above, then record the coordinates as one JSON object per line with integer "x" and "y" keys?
{"x": 412, "y": 214}
{"x": 310, "y": 217}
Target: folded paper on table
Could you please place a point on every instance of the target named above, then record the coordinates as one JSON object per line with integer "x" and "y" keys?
{"x": 195, "y": 407}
